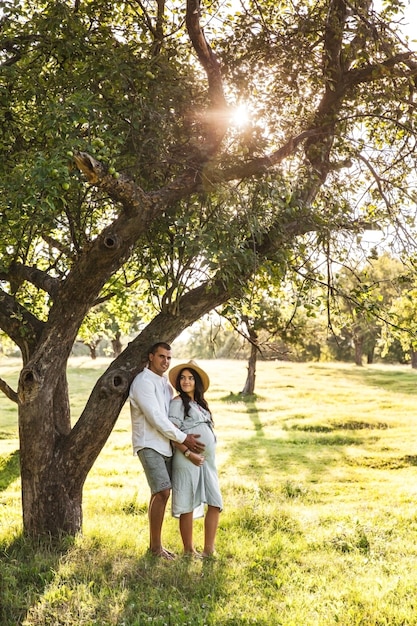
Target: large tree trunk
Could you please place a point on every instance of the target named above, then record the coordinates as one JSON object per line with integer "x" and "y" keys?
{"x": 413, "y": 359}
{"x": 49, "y": 506}
{"x": 55, "y": 459}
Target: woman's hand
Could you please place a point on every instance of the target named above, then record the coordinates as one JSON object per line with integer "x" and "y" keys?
{"x": 197, "y": 459}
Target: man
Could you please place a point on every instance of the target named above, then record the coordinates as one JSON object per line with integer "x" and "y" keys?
{"x": 152, "y": 433}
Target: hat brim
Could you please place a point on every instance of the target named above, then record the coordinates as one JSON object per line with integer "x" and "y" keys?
{"x": 173, "y": 373}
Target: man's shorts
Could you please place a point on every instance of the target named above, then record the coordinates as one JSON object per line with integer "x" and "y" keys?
{"x": 158, "y": 469}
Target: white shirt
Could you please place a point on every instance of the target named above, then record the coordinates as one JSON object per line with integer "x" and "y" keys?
{"x": 149, "y": 396}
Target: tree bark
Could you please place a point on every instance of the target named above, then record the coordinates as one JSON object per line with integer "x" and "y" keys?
{"x": 358, "y": 346}
{"x": 249, "y": 387}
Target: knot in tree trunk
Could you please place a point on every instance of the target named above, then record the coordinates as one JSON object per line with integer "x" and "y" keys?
{"x": 116, "y": 382}
{"x": 29, "y": 384}
{"x": 111, "y": 241}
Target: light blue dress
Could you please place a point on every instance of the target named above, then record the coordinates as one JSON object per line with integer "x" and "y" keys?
{"x": 193, "y": 486}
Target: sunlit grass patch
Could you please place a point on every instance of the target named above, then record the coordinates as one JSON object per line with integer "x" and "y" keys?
{"x": 293, "y": 489}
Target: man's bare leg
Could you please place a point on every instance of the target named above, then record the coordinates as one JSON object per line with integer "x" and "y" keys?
{"x": 156, "y": 512}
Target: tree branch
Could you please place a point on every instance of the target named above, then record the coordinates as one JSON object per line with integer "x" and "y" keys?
{"x": 217, "y": 118}
{"x": 262, "y": 164}
{"x": 18, "y": 273}
{"x": 20, "y": 325}
{"x": 333, "y": 40}
{"x": 8, "y": 391}
{"x": 375, "y": 71}
{"x": 15, "y": 46}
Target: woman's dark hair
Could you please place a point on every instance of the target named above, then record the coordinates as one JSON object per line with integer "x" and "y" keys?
{"x": 198, "y": 391}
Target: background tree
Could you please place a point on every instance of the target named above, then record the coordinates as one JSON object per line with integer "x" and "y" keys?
{"x": 364, "y": 298}
{"x": 117, "y": 313}
{"x": 118, "y": 138}
{"x": 263, "y": 316}
{"x": 404, "y": 317}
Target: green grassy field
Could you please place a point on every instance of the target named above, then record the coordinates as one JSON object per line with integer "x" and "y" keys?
{"x": 318, "y": 474}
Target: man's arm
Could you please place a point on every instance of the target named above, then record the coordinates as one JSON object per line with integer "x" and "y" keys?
{"x": 142, "y": 393}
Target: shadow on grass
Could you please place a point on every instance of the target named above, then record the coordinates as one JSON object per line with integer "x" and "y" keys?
{"x": 9, "y": 469}
{"x": 95, "y": 583}
{"x": 249, "y": 401}
{"x": 259, "y": 455}
{"x": 26, "y": 568}
{"x": 314, "y": 450}
{"x": 184, "y": 591}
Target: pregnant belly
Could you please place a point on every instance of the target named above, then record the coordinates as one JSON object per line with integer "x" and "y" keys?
{"x": 205, "y": 432}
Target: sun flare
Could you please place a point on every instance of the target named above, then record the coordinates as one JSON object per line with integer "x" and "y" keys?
{"x": 240, "y": 115}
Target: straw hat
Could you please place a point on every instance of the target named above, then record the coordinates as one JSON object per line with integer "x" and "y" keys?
{"x": 173, "y": 373}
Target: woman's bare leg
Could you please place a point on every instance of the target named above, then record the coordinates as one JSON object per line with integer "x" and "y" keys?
{"x": 211, "y": 522}
{"x": 186, "y": 531}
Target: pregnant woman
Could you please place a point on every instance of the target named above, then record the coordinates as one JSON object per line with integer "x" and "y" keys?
{"x": 194, "y": 476}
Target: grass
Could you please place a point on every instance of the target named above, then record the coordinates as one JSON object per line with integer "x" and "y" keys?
{"x": 318, "y": 474}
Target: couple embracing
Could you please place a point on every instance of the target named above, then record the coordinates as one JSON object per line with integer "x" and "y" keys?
{"x": 175, "y": 442}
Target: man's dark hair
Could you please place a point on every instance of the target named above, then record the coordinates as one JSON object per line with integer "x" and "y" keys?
{"x": 159, "y": 344}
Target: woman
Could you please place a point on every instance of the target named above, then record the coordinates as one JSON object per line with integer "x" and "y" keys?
{"x": 194, "y": 477}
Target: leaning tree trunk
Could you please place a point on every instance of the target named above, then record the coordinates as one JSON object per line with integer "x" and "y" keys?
{"x": 54, "y": 458}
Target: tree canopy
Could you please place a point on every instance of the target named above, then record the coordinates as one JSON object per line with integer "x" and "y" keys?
{"x": 124, "y": 159}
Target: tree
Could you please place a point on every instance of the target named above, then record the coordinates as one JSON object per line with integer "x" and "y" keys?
{"x": 258, "y": 316}
{"x": 117, "y": 314}
{"x": 363, "y": 297}
{"x": 281, "y": 318}
{"x": 403, "y": 312}
{"x": 119, "y": 143}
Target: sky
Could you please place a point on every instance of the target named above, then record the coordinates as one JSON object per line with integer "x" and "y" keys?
{"x": 410, "y": 18}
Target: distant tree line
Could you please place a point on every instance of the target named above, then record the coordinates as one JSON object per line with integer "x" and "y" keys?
{"x": 370, "y": 316}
